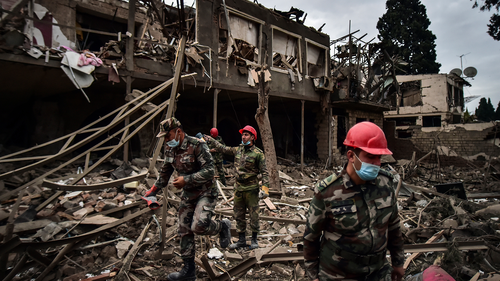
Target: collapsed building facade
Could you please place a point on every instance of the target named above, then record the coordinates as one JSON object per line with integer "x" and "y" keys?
{"x": 225, "y": 57}
{"x": 131, "y": 60}
{"x": 429, "y": 118}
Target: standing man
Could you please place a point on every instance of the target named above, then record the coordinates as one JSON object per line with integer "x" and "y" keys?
{"x": 353, "y": 217}
{"x": 249, "y": 162}
{"x": 191, "y": 159}
{"x": 217, "y": 155}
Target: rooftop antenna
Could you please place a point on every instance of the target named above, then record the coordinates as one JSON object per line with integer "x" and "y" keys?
{"x": 461, "y": 65}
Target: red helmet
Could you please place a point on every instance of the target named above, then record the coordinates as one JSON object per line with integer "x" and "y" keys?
{"x": 249, "y": 129}
{"x": 368, "y": 137}
{"x": 214, "y": 132}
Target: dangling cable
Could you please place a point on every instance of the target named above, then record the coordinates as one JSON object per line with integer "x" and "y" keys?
{"x": 239, "y": 124}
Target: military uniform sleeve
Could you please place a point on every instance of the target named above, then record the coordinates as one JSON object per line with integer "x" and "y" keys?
{"x": 166, "y": 171}
{"x": 395, "y": 239}
{"x": 207, "y": 171}
{"x": 263, "y": 170}
{"x": 312, "y": 234}
{"x": 219, "y": 147}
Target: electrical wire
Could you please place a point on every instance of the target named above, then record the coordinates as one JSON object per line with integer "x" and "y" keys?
{"x": 232, "y": 105}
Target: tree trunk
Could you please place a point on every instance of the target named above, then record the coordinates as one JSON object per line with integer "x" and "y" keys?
{"x": 266, "y": 133}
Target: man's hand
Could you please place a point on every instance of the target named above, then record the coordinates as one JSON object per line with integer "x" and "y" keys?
{"x": 264, "y": 192}
{"x": 397, "y": 273}
{"x": 179, "y": 182}
{"x": 213, "y": 150}
{"x": 207, "y": 137}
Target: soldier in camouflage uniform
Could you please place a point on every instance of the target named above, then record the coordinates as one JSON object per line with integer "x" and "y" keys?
{"x": 353, "y": 217}
{"x": 249, "y": 162}
{"x": 217, "y": 155}
{"x": 191, "y": 159}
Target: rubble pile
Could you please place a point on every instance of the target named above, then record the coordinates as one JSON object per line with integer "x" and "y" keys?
{"x": 96, "y": 234}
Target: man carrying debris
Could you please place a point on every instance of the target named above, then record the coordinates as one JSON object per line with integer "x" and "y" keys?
{"x": 191, "y": 159}
{"x": 217, "y": 156}
{"x": 249, "y": 162}
{"x": 353, "y": 217}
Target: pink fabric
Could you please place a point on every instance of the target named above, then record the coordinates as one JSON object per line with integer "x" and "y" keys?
{"x": 87, "y": 58}
{"x": 436, "y": 273}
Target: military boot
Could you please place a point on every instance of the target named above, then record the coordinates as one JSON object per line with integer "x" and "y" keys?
{"x": 187, "y": 273}
{"x": 241, "y": 243}
{"x": 225, "y": 233}
{"x": 254, "y": 244}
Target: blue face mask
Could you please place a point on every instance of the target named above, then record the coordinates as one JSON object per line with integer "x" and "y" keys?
{"x": 245, "y": 143}
{"x": 173, "y": 143}
{"x": 367, "y": 172}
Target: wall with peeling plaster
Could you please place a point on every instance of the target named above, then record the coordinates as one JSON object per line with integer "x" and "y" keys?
{"x": 434, "y": 96}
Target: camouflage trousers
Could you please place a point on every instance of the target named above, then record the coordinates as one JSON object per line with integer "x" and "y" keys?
{"x": 381, "y": 274}
{"x": 195, "y": 217}
{"x": 243, "y": 200}
{"x": 220, "y": 172}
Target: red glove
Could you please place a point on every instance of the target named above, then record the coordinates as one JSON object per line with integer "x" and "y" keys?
{"x": 152, "y": 202}
{"x": 152, "y": 191}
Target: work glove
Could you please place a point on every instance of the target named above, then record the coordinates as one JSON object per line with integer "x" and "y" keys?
{"x": 264, "y": 192}
{"x": 152, "y": 202}
{"x": 152, "y": 191}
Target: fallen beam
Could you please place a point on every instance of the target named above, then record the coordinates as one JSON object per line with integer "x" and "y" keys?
{"x": 21, "y": 247}
{"x": 26, "y": 226}
{"x": 127, "y": 262}
{"x": 104, "y": 185}
{"x": 266, "y": 218}
{"x": 240, "y": 268}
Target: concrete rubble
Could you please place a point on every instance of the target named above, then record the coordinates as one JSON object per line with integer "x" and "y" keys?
{"x": 84, "y": 219}
{"x": 468, "y": 228}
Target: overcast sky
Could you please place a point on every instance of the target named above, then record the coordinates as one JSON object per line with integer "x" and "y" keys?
{"x": 460, "y": 30}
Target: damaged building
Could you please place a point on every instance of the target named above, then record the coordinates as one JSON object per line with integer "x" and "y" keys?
{"x": 84, "y": 87}
{"x": 43, "y": 35}
{"x": 429, "y": 118}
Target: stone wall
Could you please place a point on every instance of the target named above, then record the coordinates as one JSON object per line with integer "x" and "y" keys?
{"x": 454, "y": 145}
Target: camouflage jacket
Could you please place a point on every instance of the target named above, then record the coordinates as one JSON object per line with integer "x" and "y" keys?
{"x": 351, "y": 226}
{"x": 217, "y": 156}
{"x": 248, "y": 163}
{"x": 192, "y": 160}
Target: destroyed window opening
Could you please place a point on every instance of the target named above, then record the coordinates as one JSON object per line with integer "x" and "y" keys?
{"x": 298, "y": 51}
{"x": 325, "y": 54}
{"x": 83, "y": 29}
{"x": 238, "y": 33}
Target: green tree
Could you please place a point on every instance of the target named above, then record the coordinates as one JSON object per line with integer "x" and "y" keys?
{"x": 497, "y": 112}
{"x": 467, "y": 117}
{"x": 485, "y": 111}
{"x": 494, "y": 25}
{"x": 403, "y": 31}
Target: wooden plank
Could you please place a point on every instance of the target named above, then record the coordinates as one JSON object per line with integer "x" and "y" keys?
{"x": 101, "y": 277}
{"x": 98, "y": 220}
{"x": 208, "y": 268}
{"x": 483, "y": 195}
{"x": 56, "y": 186}
{"x": 266, "y": 218}
{"x": 127, "y": 262}
{"x": 26, "y": 226}
{"x": 269, "y": 204}
{"x": 414, "y": 255}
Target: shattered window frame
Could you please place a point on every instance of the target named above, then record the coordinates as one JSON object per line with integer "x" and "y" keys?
{"x": 259, "y": 24}
{"x": 323, "y": 49}
{"x": 298, "y": 50}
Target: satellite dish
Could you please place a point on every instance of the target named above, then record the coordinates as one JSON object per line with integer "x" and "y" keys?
{"x": 470, "y": 71}
{"x": 456, "y": 71}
